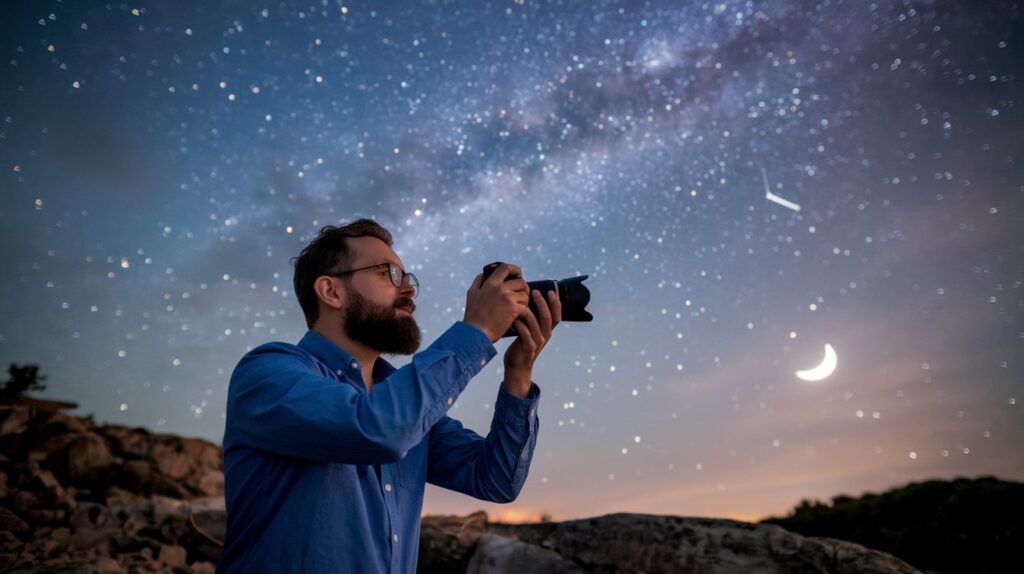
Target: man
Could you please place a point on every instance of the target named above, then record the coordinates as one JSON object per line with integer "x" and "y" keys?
{"x": 327, "y": 447}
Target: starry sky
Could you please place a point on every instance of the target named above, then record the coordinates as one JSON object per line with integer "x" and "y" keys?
{"x": 744, "y": 182}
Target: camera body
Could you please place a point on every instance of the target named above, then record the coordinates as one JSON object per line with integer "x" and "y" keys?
{"x": 573, "y": 294}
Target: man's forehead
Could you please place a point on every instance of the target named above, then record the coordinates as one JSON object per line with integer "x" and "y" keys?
{"x": 370, "y": 251}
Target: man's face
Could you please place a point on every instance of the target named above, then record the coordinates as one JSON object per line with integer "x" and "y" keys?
{"x": 378, "y": 314}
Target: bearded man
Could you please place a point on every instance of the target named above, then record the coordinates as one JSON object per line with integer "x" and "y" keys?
{"x": 328, "y": 447}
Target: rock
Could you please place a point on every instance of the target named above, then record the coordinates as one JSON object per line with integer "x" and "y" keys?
{"x": 106, "y": 565}
{"x": 139, "y": 471}
{"x": 447, "y": 542}
{"x": 125, "y": 505}
{"x": 9, "y": 543}
{"x": 207, "y": 482}
{"x": 41, "y": 498}
{"x": 206, "y": 455}
{"x": 203, "y": 568}
{"x": 140, "y": 562}
{"x": 84, "y": 457}
{"x": 56, "y": 569}
{"x": 165, "y": 507}
{"x": 129, "y": 441}
{"x": 172, "y": 555}
{"x": 141, "y": 477}
{"x": 638, "y": 542}
{"x": 499, "y": 555}
{"x": 57, "y": 538}
{"x": 13, "y": 420}
{"x": 98, "y": 539}
{"x": 11, "y": 522}
{"x": 88, "y": 515}
{"x": 171, "y": 461}
{"x": 55, "y": 436}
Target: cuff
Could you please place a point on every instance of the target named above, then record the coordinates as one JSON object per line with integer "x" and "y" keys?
{"x": 510, "y": 408}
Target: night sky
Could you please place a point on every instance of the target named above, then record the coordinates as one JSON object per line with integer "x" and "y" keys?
{"x": 161, "y": 162}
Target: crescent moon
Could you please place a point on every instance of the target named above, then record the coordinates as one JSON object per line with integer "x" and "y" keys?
{"x": 826, "y": 368}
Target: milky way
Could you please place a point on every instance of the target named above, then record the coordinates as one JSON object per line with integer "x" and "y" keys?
{"x": 160, "y": 164}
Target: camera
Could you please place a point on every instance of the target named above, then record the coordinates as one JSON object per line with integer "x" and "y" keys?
{"x": 573, "y": 294}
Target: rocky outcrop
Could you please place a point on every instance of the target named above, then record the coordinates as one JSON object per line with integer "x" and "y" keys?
{"x": 81, "y": 497}
{"x": 641, "y": 543}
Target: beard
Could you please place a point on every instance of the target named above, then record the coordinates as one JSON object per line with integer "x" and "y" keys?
{"x": 379, "y": 327}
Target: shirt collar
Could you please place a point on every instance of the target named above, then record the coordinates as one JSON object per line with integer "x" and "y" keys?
{"x": 340, "y": 361}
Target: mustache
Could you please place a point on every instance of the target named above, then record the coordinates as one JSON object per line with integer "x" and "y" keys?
{"x": 406, "y": 303}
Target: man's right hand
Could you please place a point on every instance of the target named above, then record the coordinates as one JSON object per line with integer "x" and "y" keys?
{"x": 495, "y": 304}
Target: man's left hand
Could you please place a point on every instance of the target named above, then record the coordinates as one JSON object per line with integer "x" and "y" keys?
{"x": 534, "y": 334}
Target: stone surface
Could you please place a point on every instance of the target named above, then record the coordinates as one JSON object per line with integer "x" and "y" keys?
{"x": 497, "y": 555}
{"x": 651, "y": 544}
{"x": 172, "y": 555}
{"x": 77, "y": 497}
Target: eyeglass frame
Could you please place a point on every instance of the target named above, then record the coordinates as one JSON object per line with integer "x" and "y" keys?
{"x": 413, "y": 280}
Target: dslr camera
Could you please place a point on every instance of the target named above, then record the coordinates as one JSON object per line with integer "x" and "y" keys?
{"x": 573, "y": 294}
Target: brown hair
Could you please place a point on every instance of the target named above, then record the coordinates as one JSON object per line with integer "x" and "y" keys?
{"x": 327, "y": 253}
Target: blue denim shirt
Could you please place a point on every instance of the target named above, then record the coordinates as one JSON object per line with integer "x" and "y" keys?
{"x": 322, "y": 476}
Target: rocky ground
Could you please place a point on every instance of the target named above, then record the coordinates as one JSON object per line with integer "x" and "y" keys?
{"x": 77, "y": 497}
{"x": 81, "y": 497}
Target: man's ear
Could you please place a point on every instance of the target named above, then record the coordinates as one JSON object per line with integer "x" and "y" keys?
{"x": 331, "y": 293}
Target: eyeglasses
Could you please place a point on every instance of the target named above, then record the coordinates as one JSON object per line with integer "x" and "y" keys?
{"x": 397, "y": 274}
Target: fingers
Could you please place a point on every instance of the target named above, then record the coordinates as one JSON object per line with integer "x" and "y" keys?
{"x": 544, "y": 312}
{"x": 477, "y": 282}
{"x": 556, "y": 308}
{"x": 503, "y": 271}
{"x": 526, "y": 338}
{"x": 537, "y": 333}
{"x": 518, "y": 286}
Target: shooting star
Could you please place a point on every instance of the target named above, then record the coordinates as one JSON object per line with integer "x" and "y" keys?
{"x": 772, "y": 197}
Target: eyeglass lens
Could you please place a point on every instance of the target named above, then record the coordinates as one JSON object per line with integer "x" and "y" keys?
{"x": 397, "y": 277}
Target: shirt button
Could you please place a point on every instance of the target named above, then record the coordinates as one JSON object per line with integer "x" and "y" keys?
{"x": 450, "y": 401}
{"x": 339, "y": 371}
{"x": 387, "y": 487}
{"x": 355, "y": 364}
{"x": 394, "y": 537}
{"x": 483, "y": 362}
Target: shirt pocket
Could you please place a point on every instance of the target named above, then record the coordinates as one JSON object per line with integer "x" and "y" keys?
{"x": 409, "y": 472}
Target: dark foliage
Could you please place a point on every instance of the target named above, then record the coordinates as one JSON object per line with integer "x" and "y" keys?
{"x": 23, "y": 379}
{"x": 960, "y": 526}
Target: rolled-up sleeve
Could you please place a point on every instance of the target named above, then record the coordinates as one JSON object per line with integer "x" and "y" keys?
{"x": 492, "y": 468}
{"x": 279, "y": 400}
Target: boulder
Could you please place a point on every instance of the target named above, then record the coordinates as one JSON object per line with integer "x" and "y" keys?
{"x": 447, "y": 543}
{"x": 172, "y": 555}
{"x": 126, "y": 441}
{"x": 11, "y": 522}
{"x": 84, "y": 458}
{"x": 651, "y": 544}
{"x": 500, "y": 555}
{"x": 13, "y": 420}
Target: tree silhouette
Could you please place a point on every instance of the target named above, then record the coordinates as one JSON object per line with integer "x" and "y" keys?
{"x": 23, "y": 379}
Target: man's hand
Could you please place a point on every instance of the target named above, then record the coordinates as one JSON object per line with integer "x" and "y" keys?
{"x": 493, "y": 305}
{"x": 534, "y": 334}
